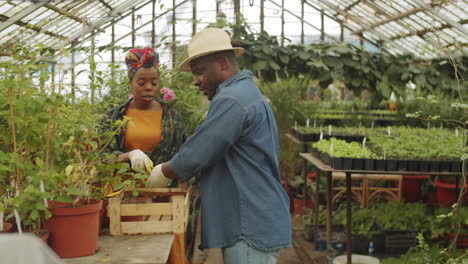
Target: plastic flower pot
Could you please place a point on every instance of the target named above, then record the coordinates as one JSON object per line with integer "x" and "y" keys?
{"x": 7, "y": 227}
{"x": 369, "y": 164}
{"x": 456, "y": 166}
{"x": 347, "y": 163}
{"x": 358, "y": 164}
{"x": 462, "y": 240}
{"x": 357, "y": 259}
{"x": 446, "y": 195}
{"x": 309, "y": 232}
{"x": 74, "y": 230}
{"x": 411, "y": 187}
{"x": 402, "y": 165}
{"x": 391, "y": 165}
{"x": 380, "y": 165}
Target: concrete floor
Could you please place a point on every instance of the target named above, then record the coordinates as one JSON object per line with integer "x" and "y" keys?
{"x": 302, "y": 251}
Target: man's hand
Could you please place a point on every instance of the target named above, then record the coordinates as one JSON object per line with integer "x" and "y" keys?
{"x": 139, "y": 160}
{"x": 157, "y": 178}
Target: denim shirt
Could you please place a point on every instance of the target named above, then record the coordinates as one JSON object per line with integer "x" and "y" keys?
{"x": 236, "y": 149}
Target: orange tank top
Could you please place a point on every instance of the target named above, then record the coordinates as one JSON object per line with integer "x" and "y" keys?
{"x": 144, "y": 130}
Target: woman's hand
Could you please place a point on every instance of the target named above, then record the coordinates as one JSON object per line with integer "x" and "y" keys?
{"x": 139, "y": 160}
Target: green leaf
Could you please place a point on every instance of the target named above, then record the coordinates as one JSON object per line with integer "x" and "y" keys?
{"x": 34, "y": 214}
{"x": 304, "y": 55}
{"x": 464, "y": 156}
{"x": 459, "y": 105}
{"x": 275, "y": 66}
{"x": 259, "y": 65}
{"x": 284, "y": 58}
{"x": 420, "y": 79}
{"x": 267, "y": 49}
{"x": 384, "y": 89}
{"x": 73, "y": 191}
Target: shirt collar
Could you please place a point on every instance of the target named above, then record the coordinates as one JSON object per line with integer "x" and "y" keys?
{"x": 235, "y": 78}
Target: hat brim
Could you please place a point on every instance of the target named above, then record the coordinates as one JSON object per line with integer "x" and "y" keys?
{"x": 185, "y": 66}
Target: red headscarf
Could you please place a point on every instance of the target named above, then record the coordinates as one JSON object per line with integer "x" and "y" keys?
{"x": 137, "y": 58}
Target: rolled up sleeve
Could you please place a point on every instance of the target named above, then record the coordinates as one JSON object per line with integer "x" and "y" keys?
{"x": 212, "y": 139}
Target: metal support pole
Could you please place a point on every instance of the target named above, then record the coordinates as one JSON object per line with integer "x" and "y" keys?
{"x": 329, "y": 208}
{"x": 262, "y": 15}
{"x": 53, "y": 78}
{"x": 153, "y": 26}
{"x": 236, "y": 36}
{"x": 322, "y": 25}
{"x": 72, "y": 72}
{"x": 133, "y": 27}
{"x": 113, "y": 51}
{"x": 194, "y": 16}
{"x": 173, "y": 34}
{"x": 304, "y": 190}
{"x": 341, "y": 32}
{"x": 348, "y": 216}
{"x": 282, "y": 23}
{"x": 302, "y": 22}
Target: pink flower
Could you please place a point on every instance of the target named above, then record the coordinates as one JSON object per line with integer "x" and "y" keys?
{"x": 130, "y": 96}
{"x": 168, "y": 94}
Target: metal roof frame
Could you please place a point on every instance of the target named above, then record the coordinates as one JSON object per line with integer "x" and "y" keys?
{"x": 422, "y": 27}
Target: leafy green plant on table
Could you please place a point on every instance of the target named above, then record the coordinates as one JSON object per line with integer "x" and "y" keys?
{"x": 342, "y": 148}
{"x": 363, "y": 219}
{"x": 401, "y": 216}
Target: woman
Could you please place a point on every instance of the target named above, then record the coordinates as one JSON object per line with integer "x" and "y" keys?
{"x": 156, "y": 130}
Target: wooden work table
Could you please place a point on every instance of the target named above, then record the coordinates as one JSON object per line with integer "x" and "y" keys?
{"x": 129, "y": 249}
{"x": 328, "y": 170}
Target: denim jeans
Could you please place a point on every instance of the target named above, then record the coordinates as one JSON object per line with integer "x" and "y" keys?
{"x": 242, "y": 253}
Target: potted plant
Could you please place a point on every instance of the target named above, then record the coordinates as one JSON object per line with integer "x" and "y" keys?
{"x": 446, "y": 225}
{"x": 401, "y": 222}
{"x": 445, "y": 191}
{"x": 364, "y": 228}
{"x": 31, "y": 206}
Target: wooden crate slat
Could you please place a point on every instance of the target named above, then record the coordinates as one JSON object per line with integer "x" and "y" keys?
{"x": 146, "y": 209}
{"x": 154, "y": 218}
{"x": 146, "y": 227}
{"x": 178, "y": 214}
{"x": 160, "y": 217}
{"x": 166, "y": 218}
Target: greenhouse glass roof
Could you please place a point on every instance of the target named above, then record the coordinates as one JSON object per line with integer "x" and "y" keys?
{"x": 427, "y": 28}
{"x": 402, "y": 26}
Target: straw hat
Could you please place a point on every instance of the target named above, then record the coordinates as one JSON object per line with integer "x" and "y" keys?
{"x": 208, "y": 41}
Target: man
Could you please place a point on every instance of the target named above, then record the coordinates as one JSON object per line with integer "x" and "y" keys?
{"x": 245, "y": 211}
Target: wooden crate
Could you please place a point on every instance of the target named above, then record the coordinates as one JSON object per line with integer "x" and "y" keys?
{"x": 162, "y": 217}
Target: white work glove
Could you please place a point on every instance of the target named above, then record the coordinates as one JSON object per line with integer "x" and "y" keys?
{"x": 157, "y": 178}
{"x": 139, "y": 160}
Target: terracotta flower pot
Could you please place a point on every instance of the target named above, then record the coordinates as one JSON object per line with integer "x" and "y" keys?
{"x": 74, "y": 230}
{"x": 6, "y": 227}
